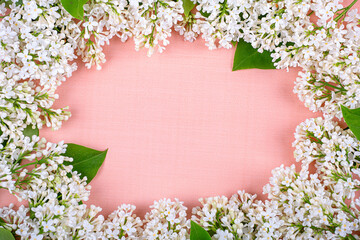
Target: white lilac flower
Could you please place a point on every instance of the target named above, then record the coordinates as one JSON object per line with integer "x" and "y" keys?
{"x": 328, "y": 54}
{"x": 225, "y": 218}
{"x": 153, "y": 22}
{"x": 122, "y": 223}
{"x": 167, "y": 220}
{"x": 27, "y": 44}
{"x": 104, "y": 20}
{"x": 54, "y": 194}
{"x": 306, "y": 209}
{"x": 38, "y": 43}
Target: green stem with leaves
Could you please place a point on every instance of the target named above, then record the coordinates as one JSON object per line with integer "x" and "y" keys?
{"x": 345, "y": 11}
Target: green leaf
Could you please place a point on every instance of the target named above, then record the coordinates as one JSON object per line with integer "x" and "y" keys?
{"x": 3, "y": 143}
{"x": 86, "y": 161}
{"x": 204, "y": 14}
{"x": 188, "y": 5}
{"x": 29, "y": 131}
{"x": 6, "y": 234}
{"x": 75, "y": 7}
{"x": 247, "y": 57}
{"x": 350, "y": 237}
{"x": 9, "y": 2}
{"x": 198, "y": 233}
{"x": 352, "y": 119}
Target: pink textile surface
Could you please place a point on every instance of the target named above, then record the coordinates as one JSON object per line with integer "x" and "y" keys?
{"x": 180, "y": 124}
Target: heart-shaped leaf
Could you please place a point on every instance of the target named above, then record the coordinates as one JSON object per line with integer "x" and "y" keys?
{"x": 352, "y": 119}
{"x": 75, "y": 7}
{"x": 188, "y": 5}
{"x": 6, "y": 234}
{"x": 198, "y": 233}
{"x": 86, "y": 161}
{"x": 247, "y": 57}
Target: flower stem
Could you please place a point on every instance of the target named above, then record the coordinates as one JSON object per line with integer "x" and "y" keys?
{"x": 345, "y": 10}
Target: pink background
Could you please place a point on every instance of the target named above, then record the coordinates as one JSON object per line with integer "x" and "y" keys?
{"x": 180, "y": 124}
